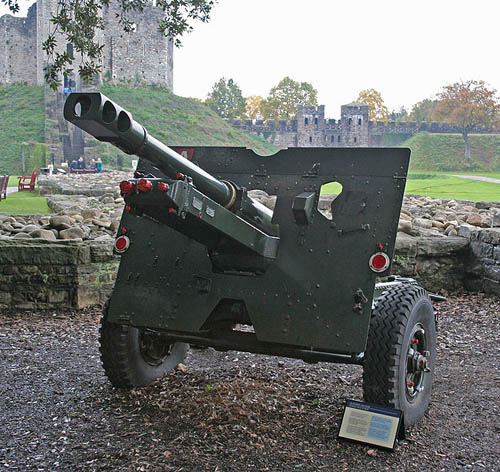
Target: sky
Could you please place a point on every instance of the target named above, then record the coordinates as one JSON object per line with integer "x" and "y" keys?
{"x": 407, "y": 50}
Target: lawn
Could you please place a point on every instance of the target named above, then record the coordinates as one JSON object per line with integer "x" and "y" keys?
{"x": 454, "y": 187}
{"x": 442, "y": 186}
{"x": 24, "y": 203}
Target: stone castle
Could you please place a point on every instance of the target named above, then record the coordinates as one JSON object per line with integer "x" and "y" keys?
{"x": 143, "y": 56}
{"x": 311, "y": 129}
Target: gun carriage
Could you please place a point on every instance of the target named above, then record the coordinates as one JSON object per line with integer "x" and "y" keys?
{"x": 200, "y": 258}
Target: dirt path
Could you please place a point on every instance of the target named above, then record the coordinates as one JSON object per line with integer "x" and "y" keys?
{"x": 234, "y": 412}
{"x": 478, "y": 177}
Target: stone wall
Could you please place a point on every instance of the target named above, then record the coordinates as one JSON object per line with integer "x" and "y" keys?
{"x": 142, "y": 56}
{"x": 312, "y": 129}
{"x": 38, "y": 274}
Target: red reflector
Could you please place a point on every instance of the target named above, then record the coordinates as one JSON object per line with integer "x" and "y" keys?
{"x": 144, "y": 185}
{"x": 162, "y": 186}
{"x": 126, "y": 187}
{"x": 179, "y": 175}
{"x": 379, "y": 262}
{"x": 128, "y": 208}
{"x": 124, "y": 230}
{"x": 121, "y": 244}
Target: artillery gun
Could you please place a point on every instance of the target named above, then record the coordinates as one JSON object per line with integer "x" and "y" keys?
{"x": 200, "y": 259}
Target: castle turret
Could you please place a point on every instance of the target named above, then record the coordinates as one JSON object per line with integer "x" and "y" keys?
{"x": 354, "y": 121}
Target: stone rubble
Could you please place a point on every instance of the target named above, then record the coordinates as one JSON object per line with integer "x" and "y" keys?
{"x": 90, "y": 206}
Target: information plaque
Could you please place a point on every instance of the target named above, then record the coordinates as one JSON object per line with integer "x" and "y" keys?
{"x": 370, "y": 424}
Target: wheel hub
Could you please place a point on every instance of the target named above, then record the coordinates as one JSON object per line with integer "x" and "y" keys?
{"x": 153, "y": 346}
{"x": 418, "y": 363}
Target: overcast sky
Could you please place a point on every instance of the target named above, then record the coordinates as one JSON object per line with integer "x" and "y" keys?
{"x": 405, "y": 49}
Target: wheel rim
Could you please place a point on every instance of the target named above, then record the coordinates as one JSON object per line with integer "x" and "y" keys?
{"x": 417, "y": 362}
{"x": 154, "y": 348}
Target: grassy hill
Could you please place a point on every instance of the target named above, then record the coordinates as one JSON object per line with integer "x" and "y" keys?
{"x": 22, "y": 120}
{"x": 172, "y": 119}
{"x": 177, "y": 121}
{"x": 445, "y": 152}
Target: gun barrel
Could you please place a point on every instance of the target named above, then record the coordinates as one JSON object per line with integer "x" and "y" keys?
{"x": 106, "y": 121}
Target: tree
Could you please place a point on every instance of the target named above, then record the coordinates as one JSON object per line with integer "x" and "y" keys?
{"x": 423, "y": 111}
{"x": 78, "y": 21}
{"x": 372, "y": 98}
{"x": 283, "y": 99}
{"x": 468, "y": 105}
{"x": 398, "y": 115}
{"x": 226, "y": 99}
{"x": 253, "y": 106}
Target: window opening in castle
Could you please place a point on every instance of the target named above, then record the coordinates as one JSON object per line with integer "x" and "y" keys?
{"x": 306, "y": 121}
{"x": 355, "y": 139}
{"x": 359, "y": 121}
{"x": 333, "y": 138}
{"x": 338, "y": 139}
{"x": 350, "y": 121}
{"x": 69, "y": 50}
{"x": 315, "y": 121}
{"x": 310, "y": 139}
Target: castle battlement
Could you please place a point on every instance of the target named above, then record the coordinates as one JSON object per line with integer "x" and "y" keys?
{"x": 352, "y": 129}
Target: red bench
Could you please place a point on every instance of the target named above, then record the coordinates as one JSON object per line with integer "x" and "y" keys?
{"x": 4, "y": 183}
{"x": 26, "y": 182}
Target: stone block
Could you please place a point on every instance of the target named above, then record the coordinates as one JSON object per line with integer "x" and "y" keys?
{"x": 406, "y": 245}
{"x": 490, "y": 235}
{"x": 451, "y": 245}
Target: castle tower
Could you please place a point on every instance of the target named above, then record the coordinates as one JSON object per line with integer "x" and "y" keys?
{"x": 310, "y": 126}
{"x": 143, "y": 56}
{"x": 354, "y": 123}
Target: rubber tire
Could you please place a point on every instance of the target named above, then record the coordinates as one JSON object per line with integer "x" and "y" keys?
{"x": 122, "y": 360}
{"x": 397, "y": 311}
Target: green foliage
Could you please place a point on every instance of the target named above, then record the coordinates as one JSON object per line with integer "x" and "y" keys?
{"x": 24, "y": 203}
{"x": 38, "y": 157}
{"x": 445, "y": 152}
{"x": 282, "y": 101}
{"x": 22, "y": 118}
{"x": 226, "y": 99}
{"x": 423, "y": 111}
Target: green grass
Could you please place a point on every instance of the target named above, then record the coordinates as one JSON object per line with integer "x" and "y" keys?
{"x": 445, "y": 153}
{"x": 440, "y": 186}
{"x": 454, "y": 187}
{"x": 22, "y": 120}
{"x": 24, "y": 203}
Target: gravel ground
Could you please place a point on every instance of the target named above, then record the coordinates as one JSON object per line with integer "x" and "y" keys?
{"x": 234, "y": 411}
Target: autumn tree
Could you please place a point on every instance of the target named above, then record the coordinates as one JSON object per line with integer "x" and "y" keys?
{"x": 282, "y": 101}
{"x": 78, "y": 21}
{"x": 253, "y": 106}
{"x": 468, "y": 105}
{"x": 226, "y": 99}
{"x": 423, "y": 110}
{"x": 372, "y": 98}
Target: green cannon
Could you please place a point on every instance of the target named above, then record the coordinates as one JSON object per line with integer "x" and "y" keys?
{"x": 204, "y": 263}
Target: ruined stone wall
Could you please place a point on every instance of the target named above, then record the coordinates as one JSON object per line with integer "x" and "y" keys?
{"x": 38, "y": 274}
{"x": 141, "y": 57}
{"x": 18, "y": 51}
